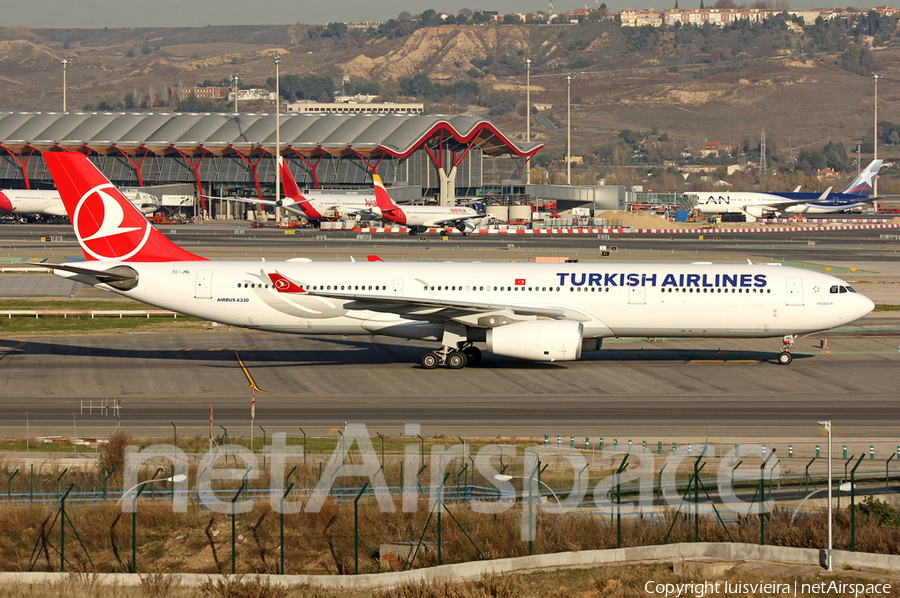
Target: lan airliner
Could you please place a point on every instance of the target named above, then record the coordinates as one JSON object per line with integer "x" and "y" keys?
{"x": 758, "y": 205}
{"x": 541, "y": 312}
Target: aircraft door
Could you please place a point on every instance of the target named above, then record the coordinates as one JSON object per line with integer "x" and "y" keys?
{"x": 794, "y": 290}
{"x": 203, "y": 287}
{"x": 398, "y": 286}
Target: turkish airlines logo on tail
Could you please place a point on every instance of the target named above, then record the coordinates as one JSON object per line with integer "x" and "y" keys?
{"x": 108, "y": 226}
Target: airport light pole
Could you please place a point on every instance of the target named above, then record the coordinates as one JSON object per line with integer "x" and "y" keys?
{"x": 235, "y": 79}
{"x": 277, "y": 133}
{"x": 568, "y": 129}
{"x": 528, "y": 115}
{"x": 65, "y": 63}
{"x": 826, "y": 429}
{"x": 875, "y": 138}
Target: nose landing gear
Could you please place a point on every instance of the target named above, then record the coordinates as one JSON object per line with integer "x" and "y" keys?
{"x": 785, "y": 357}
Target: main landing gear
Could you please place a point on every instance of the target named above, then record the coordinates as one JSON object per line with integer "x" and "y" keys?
{"x": 455, "y": 359}
{"x": 785, "y": 358}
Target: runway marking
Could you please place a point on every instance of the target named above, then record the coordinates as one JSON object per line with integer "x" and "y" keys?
{"x": 246, "y": 372}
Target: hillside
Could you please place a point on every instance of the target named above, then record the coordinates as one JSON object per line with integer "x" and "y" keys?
{"x": 690, "y": 87}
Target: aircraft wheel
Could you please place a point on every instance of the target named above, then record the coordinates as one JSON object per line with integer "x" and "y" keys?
{"x": 473, "y": 355}
{"x": 430, "y": 360}
{"x": 785, "y": 358}
{"x": 456, "y": 360}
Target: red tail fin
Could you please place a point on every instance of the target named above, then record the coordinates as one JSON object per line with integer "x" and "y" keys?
{"x": 108, "y": 226}
{"x": 287, "y": 180}
{"x": 292, "y": 192}
{"x": 389, "y": 210}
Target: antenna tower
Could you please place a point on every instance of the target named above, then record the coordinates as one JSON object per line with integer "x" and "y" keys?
{"x": 551, "y": 8}
{"x": 762, "y": 154}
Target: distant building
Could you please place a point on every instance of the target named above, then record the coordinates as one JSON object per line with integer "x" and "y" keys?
{"x": 201, "y": 93}
{"x": 633, "y": 17}
{"x": 714, "y": 147}
{"x": 354, "y": 108}
{"x": 249, "y": 94}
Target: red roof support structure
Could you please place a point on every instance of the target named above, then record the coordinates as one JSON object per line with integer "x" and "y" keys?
{"x": 312, "y": 167}
{"x": 253, "y": 167}
{"x": 22, "y": 163}
{"x": 196, "y": 168}
{"x": 136, "y": 165}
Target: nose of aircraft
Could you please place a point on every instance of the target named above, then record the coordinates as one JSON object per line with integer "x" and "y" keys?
{"x": 5, "y": 203}
{"x": 864, "y": 306}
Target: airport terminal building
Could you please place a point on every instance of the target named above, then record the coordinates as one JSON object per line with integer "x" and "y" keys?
{"x": 224, "y": 155}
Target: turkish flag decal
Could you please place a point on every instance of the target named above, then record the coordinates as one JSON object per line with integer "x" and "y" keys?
{"x": 520, "y": 281}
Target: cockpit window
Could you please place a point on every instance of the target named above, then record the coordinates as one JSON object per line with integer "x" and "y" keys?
{"x": 851, "y": 289}
{"x": 843, "y": 289}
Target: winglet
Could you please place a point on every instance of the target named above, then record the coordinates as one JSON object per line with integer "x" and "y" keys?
{"x": 374, "y": 258}
{"x": 825, "y": 195}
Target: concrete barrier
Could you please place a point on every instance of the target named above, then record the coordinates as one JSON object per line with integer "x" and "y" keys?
{"x": 680, "y": 555}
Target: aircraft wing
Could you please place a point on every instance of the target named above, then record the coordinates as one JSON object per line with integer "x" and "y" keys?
{"x": 435, "y": 309}
{"x": 267, "y": 202}
{"x": 456, "y": 219}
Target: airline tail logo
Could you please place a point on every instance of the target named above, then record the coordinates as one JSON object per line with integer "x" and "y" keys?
{"x": 389, "y": 210}
{"x": 100, "y": 225}
{"x": 284, "y": 285}
{"x": 865, "y": 181}
{"x": 108, "y": 226}
{"x": 292, "y": 191}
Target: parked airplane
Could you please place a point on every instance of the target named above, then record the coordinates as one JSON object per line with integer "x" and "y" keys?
{"x": 49, "y": 203}
{"x": 418, "y": 218}
{"x": 316, "y": 206}
{"x": 540, "y": 312}
{"x": 758, "y": 205}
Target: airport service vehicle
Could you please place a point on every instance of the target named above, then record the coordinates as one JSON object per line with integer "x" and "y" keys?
{"x": 48, "y": 203}
{"x": 758, "y": 205}
{"x": 540, "y": 312}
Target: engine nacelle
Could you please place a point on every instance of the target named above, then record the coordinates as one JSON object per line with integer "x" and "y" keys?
{"x": 465, "y": 226}
{"x": 539, "y": 340}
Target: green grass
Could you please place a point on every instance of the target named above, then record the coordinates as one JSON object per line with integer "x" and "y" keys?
{"x": 887, "y": 308}
{"x": 71, "y": 304}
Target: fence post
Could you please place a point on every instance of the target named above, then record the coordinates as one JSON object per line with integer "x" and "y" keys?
{"x": 887, "y": 474}
{"x": 853, "y": 503}
{"x": 619, "y": 501}
{"x": 356, "y": 528}
{"x": 762, "y": 497}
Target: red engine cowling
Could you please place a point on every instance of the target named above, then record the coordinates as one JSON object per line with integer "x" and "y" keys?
{"x": 539, "y": 340}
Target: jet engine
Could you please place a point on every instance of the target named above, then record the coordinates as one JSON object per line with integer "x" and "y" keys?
{"x": 539, "y": 340}
{"x": 465, "y": 226}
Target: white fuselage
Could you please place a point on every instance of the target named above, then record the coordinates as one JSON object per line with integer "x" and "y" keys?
{"x": 610, "y": 300}
{"x": 431, "y": 216}
{"x": 49, "y": 203}
{"x": 758, "y": 204}
{"x": 327, "y": 205}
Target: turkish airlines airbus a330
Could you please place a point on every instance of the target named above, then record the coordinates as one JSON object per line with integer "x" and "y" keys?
{"x": 541, "y": 312}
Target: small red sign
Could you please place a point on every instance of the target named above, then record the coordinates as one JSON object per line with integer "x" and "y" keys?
{"x": 520, "y": 281}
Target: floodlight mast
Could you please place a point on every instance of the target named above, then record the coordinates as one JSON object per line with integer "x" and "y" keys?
{"x": 826, "y": 425}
